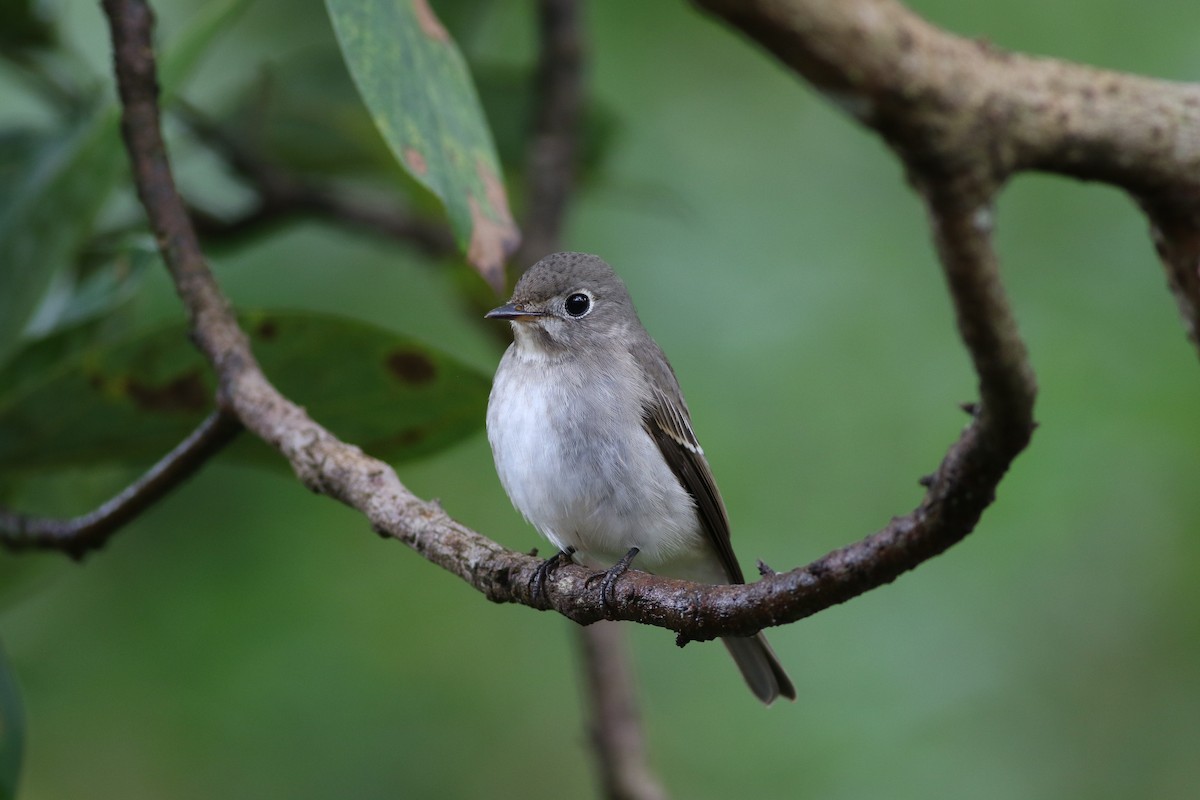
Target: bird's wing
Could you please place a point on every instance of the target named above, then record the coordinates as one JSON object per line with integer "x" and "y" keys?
{"x": 667, "y": 421}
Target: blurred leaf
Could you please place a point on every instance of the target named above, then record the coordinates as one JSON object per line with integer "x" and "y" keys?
{"x": 417, "y": 88}
{"x": 508, "y": 95}
{"x": 12, "y": 730}
{"x": 53, "y": 202}
{"x": 107, "y": 276}
{"x": 38, "y": 357}
{"x": 25, "y": 25}
{"x": 185, "y": 52}
{"x": 113, "y": 283}
{"x": 304, "y": 112}
{"x": 130, "y": 402}
{"x": 17, "y": 148}
{"x": 82, "y": 314}
{"x": 59, "y": 185}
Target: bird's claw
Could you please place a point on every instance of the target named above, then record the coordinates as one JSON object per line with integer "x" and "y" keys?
{"x": 537, "y": 584}
{"x": 608, "y": 578}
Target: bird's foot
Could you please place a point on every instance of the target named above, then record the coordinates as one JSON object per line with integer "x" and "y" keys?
{"x": 537, "y": 584}
{"x": 608, "y": 578}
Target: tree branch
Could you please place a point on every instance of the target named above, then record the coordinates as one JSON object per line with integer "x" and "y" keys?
{"x": 861, "y": 61}
{"x": 962, "y": 112}
{"x": 291, "y": 199}
{"x": 616, "y": 725}
{"x": 554, "y": 145}
{"x": 79, "y": 535}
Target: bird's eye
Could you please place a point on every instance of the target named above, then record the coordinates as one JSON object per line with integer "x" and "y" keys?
{"x": 578, "y": 304}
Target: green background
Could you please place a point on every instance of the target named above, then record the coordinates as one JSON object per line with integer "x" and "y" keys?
{"x": 248, "y": 639}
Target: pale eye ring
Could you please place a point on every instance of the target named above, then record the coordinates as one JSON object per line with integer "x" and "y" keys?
{"x": 577, "y": 304}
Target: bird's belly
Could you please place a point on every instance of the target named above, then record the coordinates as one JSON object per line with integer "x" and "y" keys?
{"x": 589, "y": 477}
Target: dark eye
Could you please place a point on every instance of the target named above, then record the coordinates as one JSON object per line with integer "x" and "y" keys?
{"x": 578, "y": 304}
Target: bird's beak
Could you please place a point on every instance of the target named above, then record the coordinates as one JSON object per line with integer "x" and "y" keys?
{"x": 513, "y": 312}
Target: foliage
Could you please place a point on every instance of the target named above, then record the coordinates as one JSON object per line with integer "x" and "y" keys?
{"x": 227, "y": 643}
{"x": 84, "y": 384}
{"x": 416, "y": 85}
{"x": 12, "y": 730}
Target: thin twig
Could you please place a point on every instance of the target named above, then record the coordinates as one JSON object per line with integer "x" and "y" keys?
{"x": 616, "y": 726}
{"x": 554, "y": 145}
{"x": 80, "y": 535}
{"x": 290, "y": 199}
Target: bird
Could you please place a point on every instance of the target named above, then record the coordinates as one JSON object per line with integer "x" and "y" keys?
{"x": 593, "y": 442}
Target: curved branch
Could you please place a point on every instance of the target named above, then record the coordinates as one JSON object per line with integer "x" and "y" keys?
{"x": 341, "y": 471}
{"x": 79, "y": 535}
{"x": 965, "y": 113}
{"x": 957, "y": 180}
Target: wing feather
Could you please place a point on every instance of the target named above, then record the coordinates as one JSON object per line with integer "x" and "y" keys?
{"x": 669, "y": 424}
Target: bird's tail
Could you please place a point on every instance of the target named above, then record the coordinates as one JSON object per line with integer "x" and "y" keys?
{"x": 760, "y": 667}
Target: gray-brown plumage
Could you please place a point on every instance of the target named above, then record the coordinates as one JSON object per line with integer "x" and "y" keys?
{"x": 594, "y": 444}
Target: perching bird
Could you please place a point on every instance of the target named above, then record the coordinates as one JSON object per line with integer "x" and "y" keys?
{"x": 593, "y": 441}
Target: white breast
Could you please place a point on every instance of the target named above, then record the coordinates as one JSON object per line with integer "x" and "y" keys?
{"x": 574, "y": 458}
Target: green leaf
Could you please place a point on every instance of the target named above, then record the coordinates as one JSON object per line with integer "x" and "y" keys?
{"x": 12, "y": 730}
{"x": 18, "y": 146}
{"x": 186, "y": 51}
{"x": 130, "y": 402}
{"x": 305, "y": 112}
{"x": 107, "y": 276}
{"x": 82, "y": 314}
{"x": 49, "y": 212}
{"x": 416, "y": 85}
{"x": 59, "y": 185}
{"x": 25, "y": 24}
